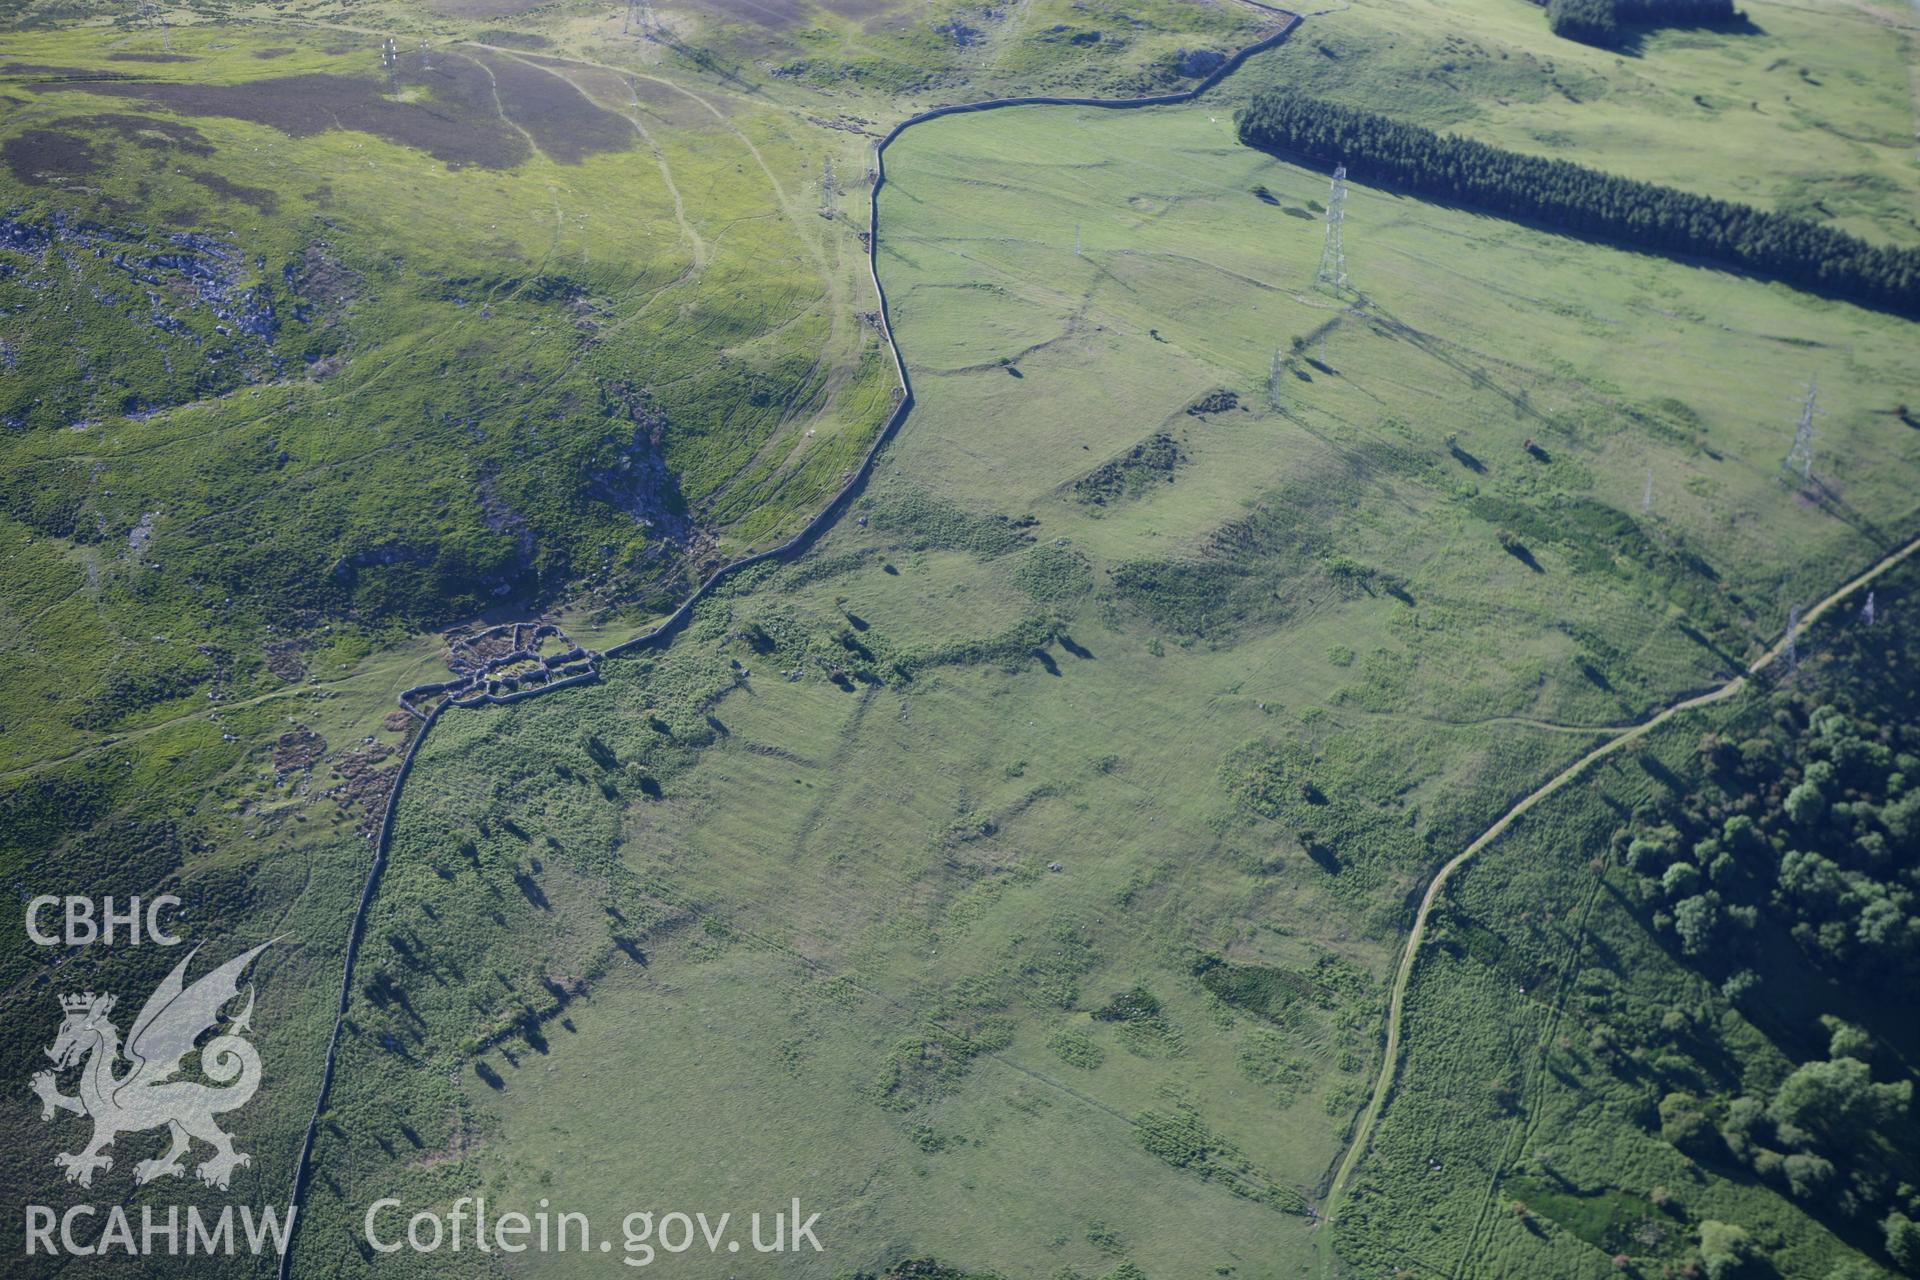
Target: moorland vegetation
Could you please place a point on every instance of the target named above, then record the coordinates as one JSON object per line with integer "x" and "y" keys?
{"x": 1061, "y": 810}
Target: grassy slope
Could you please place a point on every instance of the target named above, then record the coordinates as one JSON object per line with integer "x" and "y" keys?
{"x": 836, "y": 895}
{"x": 1810, "y": 110}
{"x": 863, "y": 57}
{"x": 484, "y": 313}
{"x": 256, "y": 494}
{"x": 1510, "y": 1090}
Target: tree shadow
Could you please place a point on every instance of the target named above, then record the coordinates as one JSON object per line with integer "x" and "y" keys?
{"x": 1654, "y": 768}
{"x": 531, "y": 890}
{"x": 1519, "y": 551}
{"x": 1709, "y": 644}
{"x": 1824, "y": 496}
{"x": 1467, "y": 460}
{"x": 1324, "y": 857}
{"x": 1632, "y": 38}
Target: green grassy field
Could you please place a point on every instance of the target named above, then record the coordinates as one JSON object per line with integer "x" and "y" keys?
{"x": 1554, "y": 1009}
{"x": 1809, "y": 108}
{"x": 221, "y": 529}
{"x": 1244, "y": 684}
{"x": 1243, "y": 604}
{"x": 300, "y": 361}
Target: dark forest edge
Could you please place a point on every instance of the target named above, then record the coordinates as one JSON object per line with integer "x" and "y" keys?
{"x": 1782, "y": 865}
{"x": 1780, "y": 862}
{"x": 1585, "y": 202}
{"x": 1608, "y": 23}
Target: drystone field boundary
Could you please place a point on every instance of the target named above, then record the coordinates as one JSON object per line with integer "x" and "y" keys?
{"x": 460, "y": 694}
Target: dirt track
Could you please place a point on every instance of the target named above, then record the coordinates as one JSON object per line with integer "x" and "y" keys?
{"x": 1403, "y": 974}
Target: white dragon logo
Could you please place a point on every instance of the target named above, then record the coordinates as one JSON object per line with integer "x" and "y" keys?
{"x": 147, "y": 1096}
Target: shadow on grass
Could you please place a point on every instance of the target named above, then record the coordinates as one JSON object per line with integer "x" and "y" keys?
{"x": 1632, "y": 40}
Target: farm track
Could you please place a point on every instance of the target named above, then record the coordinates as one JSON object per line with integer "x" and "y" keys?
{"x": 672, "y": 624}
{"x": 1620, "y": 735}
{"x": 1403, "y": 974}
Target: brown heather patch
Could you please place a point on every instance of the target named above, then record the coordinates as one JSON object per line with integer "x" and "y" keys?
{"x": 459, "y": 126}
{"x": 564, "y": 124}
{"x": 38, "y": 157}
{"x": 143, "y": 131}
{"x": 774, "y": 15}
{"x": 483, "y": 8}
{"x": 261, "y": 199}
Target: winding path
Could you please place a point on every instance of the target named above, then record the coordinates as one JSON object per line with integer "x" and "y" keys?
{"x": 664, "y": 630}
{"x": 1403, "y": 975}
{"x": 904, "y": 400}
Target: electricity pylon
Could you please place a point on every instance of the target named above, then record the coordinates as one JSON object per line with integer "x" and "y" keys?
{"x": 1800, "y": 456}
{"x": 1333, "y": 253}
{"x": 153, "y": 13}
